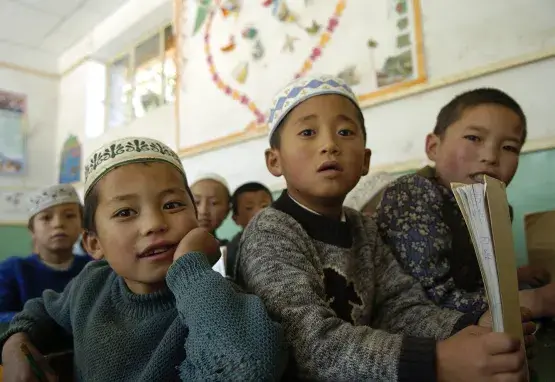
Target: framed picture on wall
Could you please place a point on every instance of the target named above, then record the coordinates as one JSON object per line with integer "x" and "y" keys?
{"x": 13, "y": 117}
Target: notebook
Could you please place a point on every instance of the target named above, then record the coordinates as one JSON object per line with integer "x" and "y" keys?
{"x": 485, "y": 209}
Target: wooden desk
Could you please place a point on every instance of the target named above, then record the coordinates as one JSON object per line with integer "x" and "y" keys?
{"x": 543, "y": 362}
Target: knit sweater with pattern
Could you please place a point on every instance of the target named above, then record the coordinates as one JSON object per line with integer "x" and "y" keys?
{"x": 197, "y": 329}
{"x": 348, "y": 310}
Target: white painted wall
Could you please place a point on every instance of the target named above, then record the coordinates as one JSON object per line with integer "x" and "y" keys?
{"x": 459, "y": 37}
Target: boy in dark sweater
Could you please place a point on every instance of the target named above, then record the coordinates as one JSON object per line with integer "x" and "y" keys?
{"x": 55, "y": 223}
{"x": 479, "y": 132}
{"x": 247, "y": 200}
{"x": 349, "y": 312}
{"x": 152, "y": 309}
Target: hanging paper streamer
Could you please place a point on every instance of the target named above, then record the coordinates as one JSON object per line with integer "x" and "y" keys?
{"x": 202, "y": 11}
{"x": 313, "y": 29}
{"x": 249, "y": 33}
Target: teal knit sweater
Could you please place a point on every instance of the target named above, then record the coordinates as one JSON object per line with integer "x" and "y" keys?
{"x": 199, "y": 329}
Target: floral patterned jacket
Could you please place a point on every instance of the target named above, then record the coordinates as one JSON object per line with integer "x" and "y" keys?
{"x": 420, "y": 220}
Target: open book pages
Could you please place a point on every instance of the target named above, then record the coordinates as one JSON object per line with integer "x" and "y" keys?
{"x": 485, "y": 209}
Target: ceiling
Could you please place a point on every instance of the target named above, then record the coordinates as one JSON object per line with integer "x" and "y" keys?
{"x": 36, "y": 32}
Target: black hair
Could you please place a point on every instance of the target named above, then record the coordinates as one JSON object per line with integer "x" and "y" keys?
{"x": 451, "y": 112}
{"x": 275, "y": 139}
{"x": 247, "y": 187}
{"x": 31, "y": 223}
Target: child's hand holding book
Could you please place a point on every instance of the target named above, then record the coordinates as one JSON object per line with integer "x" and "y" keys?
{"x": 23, "y": 362}
{"x": 199, "y": 240}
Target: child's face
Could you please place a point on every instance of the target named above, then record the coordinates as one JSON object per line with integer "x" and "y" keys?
{"x": 57, "y": 228}
{"x": 486, "y": 140}
{"x": 249, "y": 204}
{"x": 212, "y": 201}
{"x": 144, "y": 210}
{"x": 322, "y": 153}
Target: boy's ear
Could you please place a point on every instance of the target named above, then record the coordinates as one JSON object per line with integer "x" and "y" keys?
{"x": 273, "y": 162}
{"x": 92, "y": 245}
{"x": 366, "y": 163}
{"x": 432, "y": 144}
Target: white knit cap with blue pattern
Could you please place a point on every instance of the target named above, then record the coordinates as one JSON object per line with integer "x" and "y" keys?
{"x": 302, "y": 89}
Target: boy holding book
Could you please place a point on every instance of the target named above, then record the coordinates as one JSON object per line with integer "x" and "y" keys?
{"x": 349, "y": 312}
{"x": 478, "y": 132}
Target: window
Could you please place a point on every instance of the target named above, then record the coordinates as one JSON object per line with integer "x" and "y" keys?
{"x": 142, "y": 79}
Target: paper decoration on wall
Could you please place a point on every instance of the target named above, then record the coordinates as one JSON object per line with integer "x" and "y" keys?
{"x": 350, "y": 75}
{"x": 249, "y": 33}
{"x": 204, "y": 8}
{"x": 241, "y": 72}
{"x": 313, "y": 29}
{"x": 230, "y": 45}
{"x": 257, "y": 50}
{"x": 289, "y": 44}
{"x": 267, "y": 3}
{"x": 70, "y": 161}
{"x": 231, "y": 7}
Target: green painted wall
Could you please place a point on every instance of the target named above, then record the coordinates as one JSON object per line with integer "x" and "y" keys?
{"x": 15, "y": 241}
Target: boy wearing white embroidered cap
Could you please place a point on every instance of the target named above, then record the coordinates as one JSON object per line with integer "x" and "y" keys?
{"x": 55, "y": 223}
{"x": 349, "y": 311}
{"x": 152, "y": 309}
{"x": 212, "y": 198}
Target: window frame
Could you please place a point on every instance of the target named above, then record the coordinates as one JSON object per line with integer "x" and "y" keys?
{"x": 163, "y": 55}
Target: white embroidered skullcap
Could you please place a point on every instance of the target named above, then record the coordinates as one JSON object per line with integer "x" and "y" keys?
{"x": 50, "y": 197}
{"x": 211, "y": 176}
{"x": 125, "y": 151}
{"x": 302, "y": 89}
{"x": 366, "y": 189}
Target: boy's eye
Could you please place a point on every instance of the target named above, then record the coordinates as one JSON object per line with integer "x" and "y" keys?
{"x": 70, "y": 216}
{"x": 346, "y": 132}
{"x": 124, "y": 213}
{"x": 512, "y": 149}
{"x": 472, "y": 138}
{"x": 307, "y": 133}
{"x": 173, "y": 205}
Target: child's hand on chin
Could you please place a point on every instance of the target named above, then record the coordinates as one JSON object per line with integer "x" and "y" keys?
{"x": 199, "y": 240}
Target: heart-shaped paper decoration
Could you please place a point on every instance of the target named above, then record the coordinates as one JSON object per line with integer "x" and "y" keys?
{"x": 244, "y": 99}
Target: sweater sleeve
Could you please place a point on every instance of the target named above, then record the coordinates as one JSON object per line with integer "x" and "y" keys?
{"x": 410, "y": 222}
{"x": 10, "y": 300}
{"x": 275, "y": 265}
{"x": 231, "y": 337}
{"x": 47, "y": 319}
{"x": 403, "y": 305}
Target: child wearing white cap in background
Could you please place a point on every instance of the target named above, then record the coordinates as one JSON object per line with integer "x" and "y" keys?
{"x": 349, "y": 311}
{"x": 151, "y": 309}
{"x": 55, "y": 223}
{"x": 368, "y": 192}
{"x": 212, "y": 197}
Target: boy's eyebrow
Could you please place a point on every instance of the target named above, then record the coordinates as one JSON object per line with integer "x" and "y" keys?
{"x": 172, "y": 190}
{"x": 306, "y": 118}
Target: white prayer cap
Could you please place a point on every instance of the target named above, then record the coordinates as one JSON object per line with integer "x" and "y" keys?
{"x": 300, "y": 90}
{"x": 211, "y": 176}
{"x": 125, "y": 151}
{"x": 51, "y": 196}
{"x": 367, "y": 189}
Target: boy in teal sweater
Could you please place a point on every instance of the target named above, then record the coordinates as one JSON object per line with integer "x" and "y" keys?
{"x": 152, "y": 309}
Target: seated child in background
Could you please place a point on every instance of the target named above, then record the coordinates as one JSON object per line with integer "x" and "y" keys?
{"x": 55, "y": 223}
{"x": 247, "y": 200}
{"x": 479, "y": 132}
{"x": 153, "y": 309}
{"x": 368, "y": 192}
{"x": 212, "y": 198}
{"x": 349, "y": 312}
